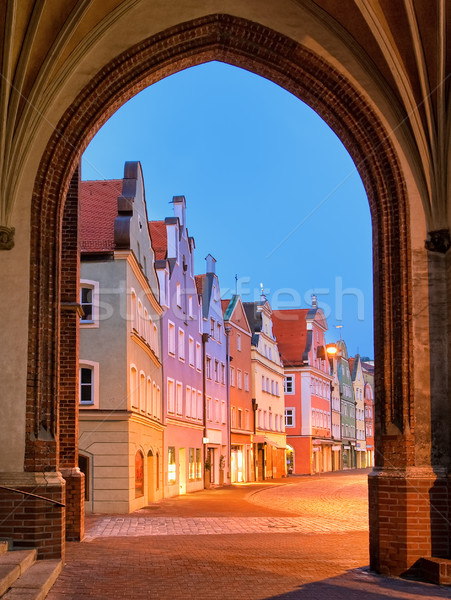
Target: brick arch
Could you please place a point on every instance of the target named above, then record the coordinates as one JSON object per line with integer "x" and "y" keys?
{"x": 258, "y": 49}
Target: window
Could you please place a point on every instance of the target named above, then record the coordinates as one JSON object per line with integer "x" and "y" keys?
{"x": 188, "y": 402}
{"x": 89, "y": 301}
{"x": 263, "y": 384}
{"x": 171, "y": 338}
{"x": 181, "y": 344}
{"x": 178, "y": 295}
{"x": 232, "y": 376}
{"x": 209, "y": 416}
{"x": 192, "y": 464}
{"x": 170, "y": 395}
{"x": 179, "y": 398}
{"x": 200, "y": 407}
{"x": 208, "y": 367}
{"x": 246, "y": 419}
{"x": 193, "y": 403}
{"x": 223, "y": 412}
{"x": 218, "y": 332}
{"x": 260, "y": 418}
{"x": 149, "y": 398}
{"x": 212, "y": 329}
{"x": 289, "y": 417}
{"x": 139, "y": 474}
{"x": 240, "y": 419}
{"x": 191, "y": 351}
{"x": 171, "y": 464}
{"x": 270, "y": 420}
{"x": 190, "y": 307}
{"x": 198, "y": 464}
{"x": 216, "y": 370}
{"x": 288, "y": 384}
{"x": 142, "y": 392}
{"x": 233, "y": 416}
{"x": 217, "y": 413}
{"x": 86, "y": 303}
{"x": 198, "y": 357}
{"x": 89, "y": 383}
{"x": 158, "y": 401}
{"x": 223, "y": 373}
{"x": 239, "y": 379}
{"x": 246, "y": 382}
{"x": 238, "y": 342}
{"x": 276, "y": 422}
{"x": 134, "y": 393}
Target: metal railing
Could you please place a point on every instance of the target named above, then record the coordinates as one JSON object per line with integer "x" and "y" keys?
{"x": 14, "y": 490}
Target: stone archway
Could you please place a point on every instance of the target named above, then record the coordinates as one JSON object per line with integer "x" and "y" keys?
{"x": 267, "y": 53}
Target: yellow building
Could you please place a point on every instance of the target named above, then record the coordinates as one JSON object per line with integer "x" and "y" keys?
{"x": 267, "y": 393}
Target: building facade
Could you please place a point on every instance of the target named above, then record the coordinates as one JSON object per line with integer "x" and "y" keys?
{"x": 358, "y": 385}
{"x": 240, "y": 395}
{"x": 120, "y": 378}
{"x": 182, "y": 353}
{"x": 337, "y": 461}
{"x": 307, "y": 387}
{"x": 266, "y": 385}
{"x": 368, "y": 376}
{"x": 215, "y": 361}
{"x": 348, "y": 426}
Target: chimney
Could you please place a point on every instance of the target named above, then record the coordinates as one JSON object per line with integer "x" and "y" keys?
{"x": 210, "y": 263}
{"x": 314, "y": 301}
{"x": 179, "y": 203}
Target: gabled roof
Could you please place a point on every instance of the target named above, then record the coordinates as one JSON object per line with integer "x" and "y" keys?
{"x": 290, "y": 330}
{"x": 159, "y": 238}
{"x": 254, "y": 316}
{"x": 354, "y": 365}
{"x": 98, "y": 210}
{"x": 228, "y": 310}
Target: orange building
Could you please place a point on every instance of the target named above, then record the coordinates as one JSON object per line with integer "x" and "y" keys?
{"x": 241, "y": 407}
{"x": 307, "y": 388}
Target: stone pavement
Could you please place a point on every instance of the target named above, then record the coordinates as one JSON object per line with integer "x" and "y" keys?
{"x": 303, "y": 538}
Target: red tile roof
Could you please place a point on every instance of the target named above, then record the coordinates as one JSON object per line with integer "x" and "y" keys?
{"x": 351, "y": 364}
{"x": 159, "y": 237}
{"x": 290, "y": 330}
{"x": 98, "y": 209}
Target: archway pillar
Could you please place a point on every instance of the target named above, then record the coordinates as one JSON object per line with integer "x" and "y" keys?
{"x": 68, "y": 364}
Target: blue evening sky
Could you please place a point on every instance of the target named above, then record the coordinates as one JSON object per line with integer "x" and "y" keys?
{"x": 271, "y": 191}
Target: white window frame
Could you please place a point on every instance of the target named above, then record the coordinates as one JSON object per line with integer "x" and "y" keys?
{"x": 285, "y": 385}
{"x": 291, "y": 410}
{"x": 171, "y": 338}
{"x": 171, "y": 397}
{"x": 94, "y": 366}
{"x": 94, "y": 286}
{"x": 181, "y": 344}
{"x": 198, "y": 357}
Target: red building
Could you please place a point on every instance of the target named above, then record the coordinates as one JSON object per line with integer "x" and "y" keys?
{"x": 307, "y": 387}
{"x": 241, "y": 408}
{"x": 368, "y": 376}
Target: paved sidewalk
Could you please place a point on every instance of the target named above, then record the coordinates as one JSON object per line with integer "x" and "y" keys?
{"x": 303, "y": 538}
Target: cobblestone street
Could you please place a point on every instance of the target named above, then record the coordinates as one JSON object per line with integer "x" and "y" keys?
{"x": 301, "y": 538}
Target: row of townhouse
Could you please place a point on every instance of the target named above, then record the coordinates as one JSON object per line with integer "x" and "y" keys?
{"x": 178, "y": 389}
{"x": 329, "y": 399}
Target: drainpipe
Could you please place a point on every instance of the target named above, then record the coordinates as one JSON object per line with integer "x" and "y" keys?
{"x": 227, "y": 331}
{"x": 254, "y": 409}
{"x": 205, "y": 337}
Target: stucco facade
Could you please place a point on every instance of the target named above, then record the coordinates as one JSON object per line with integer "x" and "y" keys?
{"x": 121, "y": 428}
{"x": 267, "y": 390}
{"x": 181, "y": 326}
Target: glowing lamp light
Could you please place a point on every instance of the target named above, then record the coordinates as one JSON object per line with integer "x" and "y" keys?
{"x": 331, "y": 349}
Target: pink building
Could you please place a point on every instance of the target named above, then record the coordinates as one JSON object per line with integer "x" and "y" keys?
{"x": 307, "y": 387}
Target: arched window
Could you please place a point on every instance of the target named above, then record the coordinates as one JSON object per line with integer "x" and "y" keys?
{"x": 149, "y": 396}
{"x": 139, "y": 474}
{"x": 142, "y": 392}
{"x": 133, "y": 319}
{"x": 134, "y": 393}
